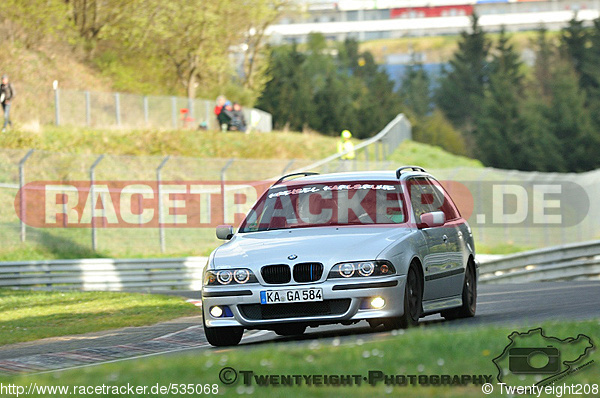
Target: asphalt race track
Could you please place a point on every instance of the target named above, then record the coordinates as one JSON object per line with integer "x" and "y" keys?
{"x": 514, "y": 304}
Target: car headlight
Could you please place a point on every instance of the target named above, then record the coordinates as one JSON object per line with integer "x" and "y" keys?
{"x": 224, "y": 277}
{"x": 241, "y": 275}
{"x": 237, "y": 276}
{"x": 364, "y": 268}
{"x": 346, "y": 270}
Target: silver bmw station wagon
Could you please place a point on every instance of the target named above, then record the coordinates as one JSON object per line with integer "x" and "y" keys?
{"x": 388, "y": 247}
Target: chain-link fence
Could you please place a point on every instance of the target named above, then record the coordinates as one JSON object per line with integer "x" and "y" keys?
{"x": 487, "y": 197}
{"x": 502, "y": 206}
{"x": 108, "y": 109}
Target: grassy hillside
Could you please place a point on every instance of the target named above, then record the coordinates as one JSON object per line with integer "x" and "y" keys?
{"x": 202, "y": 144}
{"x": 32, "y": 72}
{"x": 428, "y": 156}
{"x": 210, "y": 144}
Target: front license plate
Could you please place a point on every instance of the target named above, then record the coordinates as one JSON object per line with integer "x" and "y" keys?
{"x": 290, "y": 296}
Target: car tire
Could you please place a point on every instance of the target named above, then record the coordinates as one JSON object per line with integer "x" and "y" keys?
{"x": 290, "y": 330}
{"x": 223, "y": 336}
{"x": 469, "y": 297}
{"x": 413, "y": 303}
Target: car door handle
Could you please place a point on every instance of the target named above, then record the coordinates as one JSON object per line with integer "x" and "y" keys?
{"x": 445, "y": 238}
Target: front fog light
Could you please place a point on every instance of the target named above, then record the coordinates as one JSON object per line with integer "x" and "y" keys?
{"x": 216, "y": 311}
{"x": 378, "y": 303}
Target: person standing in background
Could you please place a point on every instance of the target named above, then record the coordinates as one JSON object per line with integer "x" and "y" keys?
{"x": 219, "y": 109}
{"x": 7, "y": 93}
{"x": 238, "y": 121}
{"x": 225, "y": 116}
{"x": 345, "y": 145}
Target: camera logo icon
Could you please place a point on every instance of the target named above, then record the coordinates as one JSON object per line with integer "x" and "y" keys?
{"x": 534, "y": 360}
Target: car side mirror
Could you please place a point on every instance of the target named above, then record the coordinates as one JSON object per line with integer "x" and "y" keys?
{"x": 225, "y": 232}
{"x": 433, "y": 219}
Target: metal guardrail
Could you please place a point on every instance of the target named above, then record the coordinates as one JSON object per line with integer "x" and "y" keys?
{"x": 383, "y": 144}
{"x": 565, "y": 262}
{"x": 105, "y": 274}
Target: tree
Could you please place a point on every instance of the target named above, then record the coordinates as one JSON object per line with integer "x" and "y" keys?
{"x": 575, "y": 44}
{"x": 334, "y": 107}
{"x": 329, "y": 93}
{"x": 415, "y": 90}
{"x": 255, "y": 60}
{"x": 593, "y": 72}
{"x": 544, "y": 54}
{"x": 499, "y": 126}
{"x": 538, "y": 148}
{"x": 30, "y": 22}
{"x": 435, "y": 129}
{"x": 288, "y": 94}
{"x": 92, "y": 17}
{"x": 571, "y": 121}
{"x": 376, "y": 100}
{"x": 462, "y": 86}
{"x": 196, "y": 38}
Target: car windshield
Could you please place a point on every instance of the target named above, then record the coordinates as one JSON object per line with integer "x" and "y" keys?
{"x": 327, "y": 204}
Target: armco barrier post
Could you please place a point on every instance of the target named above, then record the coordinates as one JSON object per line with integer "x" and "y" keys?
{"x": 174, "y": 112}
{"x": 161, "y": 229}
{"x": 479, "y": 182}
{"x": 88, "y": 111}
{"x": 56, "y": 107}
{"x": 118, "y": 109}
{"x": 93, "y": 202}
{"x": 22, "y": 192}
{"x": 146, "y": 113}
{"x": 191, "y": 111}
{"x": 207, "y": 110}
{"x": 528, "y": 232}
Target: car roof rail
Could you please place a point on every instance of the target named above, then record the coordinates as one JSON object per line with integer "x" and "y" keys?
{"x": 413, "y": 168}
{"x": 304, "y": 173}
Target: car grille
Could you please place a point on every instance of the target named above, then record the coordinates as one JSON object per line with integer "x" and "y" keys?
{"x": 294, "y": 310}
{"x": 308, "y": 272}
{"x": 276, "y": 274}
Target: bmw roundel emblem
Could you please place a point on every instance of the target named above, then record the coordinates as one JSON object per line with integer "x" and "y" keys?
{"x": 292, "y": 257}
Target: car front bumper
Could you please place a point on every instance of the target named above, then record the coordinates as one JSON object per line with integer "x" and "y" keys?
{"x": 349, "y": 296}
